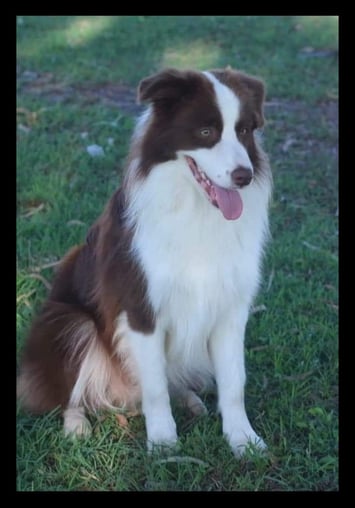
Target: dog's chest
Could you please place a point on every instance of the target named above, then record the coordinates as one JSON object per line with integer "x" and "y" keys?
{"x": 194, "y": 268}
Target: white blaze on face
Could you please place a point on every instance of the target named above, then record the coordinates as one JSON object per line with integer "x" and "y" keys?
{"x": 213, "y": 167}
{"x": 228, "y": 103}
{"x": 219, "y": 161}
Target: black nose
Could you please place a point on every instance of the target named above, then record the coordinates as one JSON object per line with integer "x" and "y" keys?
{"x": 241, "y": 176}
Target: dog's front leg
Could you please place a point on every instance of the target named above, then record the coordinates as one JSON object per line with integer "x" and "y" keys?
{"x": 149, "y": 355}
{"x": 227, "y": 351}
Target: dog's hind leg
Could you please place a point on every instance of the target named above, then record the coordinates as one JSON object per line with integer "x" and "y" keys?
{"x": 189, "y": 399}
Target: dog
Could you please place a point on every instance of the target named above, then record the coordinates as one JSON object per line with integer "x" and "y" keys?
{"x": 154, "y": 304}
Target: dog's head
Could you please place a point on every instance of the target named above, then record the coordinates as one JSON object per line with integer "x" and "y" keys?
{"x": 208, "y": 119}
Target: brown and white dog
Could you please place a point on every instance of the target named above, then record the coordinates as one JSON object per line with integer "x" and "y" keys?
{"x": 155, "y": 303}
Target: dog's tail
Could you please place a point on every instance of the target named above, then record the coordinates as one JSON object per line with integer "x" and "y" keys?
{"x": 69, "y": 359}
{"x": 59, "y": 338}
{"x": 55, "y": 348}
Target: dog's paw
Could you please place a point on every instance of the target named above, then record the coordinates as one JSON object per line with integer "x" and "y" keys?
{"x": 163, "y": 445}
{"x": 241, "y": 442}
{"x": 162, "y": 437}
{"x": 165, "y": 448}
{"x": 75, "y": 423}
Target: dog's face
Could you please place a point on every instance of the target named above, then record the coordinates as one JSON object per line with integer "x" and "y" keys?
{"x": 208, "y": 119}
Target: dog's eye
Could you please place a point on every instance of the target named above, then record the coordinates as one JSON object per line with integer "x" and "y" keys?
{"x": 242, "y": 131}
{"x": 205, "y": 132}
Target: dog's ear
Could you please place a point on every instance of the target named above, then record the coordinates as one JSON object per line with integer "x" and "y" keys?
{"x": 256, "y": 90}
{"x": 166, "y": 86}
{"x": 249, "y": 88}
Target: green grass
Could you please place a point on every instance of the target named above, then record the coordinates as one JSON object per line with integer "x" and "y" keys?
{"x": 291, "y": 358}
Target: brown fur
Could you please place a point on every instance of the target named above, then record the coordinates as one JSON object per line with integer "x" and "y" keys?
{"x": 94, "y": 282}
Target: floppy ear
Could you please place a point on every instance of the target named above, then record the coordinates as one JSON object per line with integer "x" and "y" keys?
{"x": 249, "y": 88}
{"x": 256, "y": 90}
{"x": 166, "y": 86}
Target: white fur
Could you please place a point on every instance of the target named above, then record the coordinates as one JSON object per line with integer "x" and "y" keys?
{"x": 202, "y": 273}
{"x": 99, "y": 384}
{"x": 92, "y": 383}
{"x": 149, "y": 355}
{"x": 75, "y": 422}
{"x": 219, "y": 162}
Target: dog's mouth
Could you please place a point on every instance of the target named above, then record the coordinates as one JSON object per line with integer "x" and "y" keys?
{"x": 228, "y": 201}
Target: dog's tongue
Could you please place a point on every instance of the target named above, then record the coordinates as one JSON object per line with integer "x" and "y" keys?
{"x": 229, "y": 202}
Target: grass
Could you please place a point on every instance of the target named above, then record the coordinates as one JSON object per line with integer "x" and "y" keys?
{"x": 76, "y": 79}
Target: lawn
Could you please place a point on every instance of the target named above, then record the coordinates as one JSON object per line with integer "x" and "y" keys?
{"x": 76, "y": 81}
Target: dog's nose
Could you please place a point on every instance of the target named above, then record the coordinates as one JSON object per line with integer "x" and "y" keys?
{"x": 241, "y": 176}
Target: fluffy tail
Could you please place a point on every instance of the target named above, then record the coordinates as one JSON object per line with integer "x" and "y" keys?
{"x": 52, "y": 356}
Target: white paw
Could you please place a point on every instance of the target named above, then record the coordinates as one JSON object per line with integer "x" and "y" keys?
{"x": 240, "y": 441}
{"x": 162, "y": 440}
{"x": 162, "y": 445}
{"x": 161, "y": 436}
{"x": 75, "y": 423}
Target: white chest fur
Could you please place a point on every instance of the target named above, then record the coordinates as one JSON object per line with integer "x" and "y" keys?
{"x": 198, "y": 264}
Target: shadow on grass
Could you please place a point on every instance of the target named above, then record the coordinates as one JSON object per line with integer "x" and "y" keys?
{"x": 281, "y": 49}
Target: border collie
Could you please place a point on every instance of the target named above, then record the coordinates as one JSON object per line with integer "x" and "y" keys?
{"x": 154, "y": 304}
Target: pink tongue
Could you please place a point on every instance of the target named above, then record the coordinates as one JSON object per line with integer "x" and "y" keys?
{"x": 229, "y": 202}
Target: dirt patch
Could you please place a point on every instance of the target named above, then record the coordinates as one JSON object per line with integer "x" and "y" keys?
{"x": 309, "y": 128}
{"x": 327, "y": 110}
{"x": 121, "y": 96}
{"x": 112, "y": 94}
